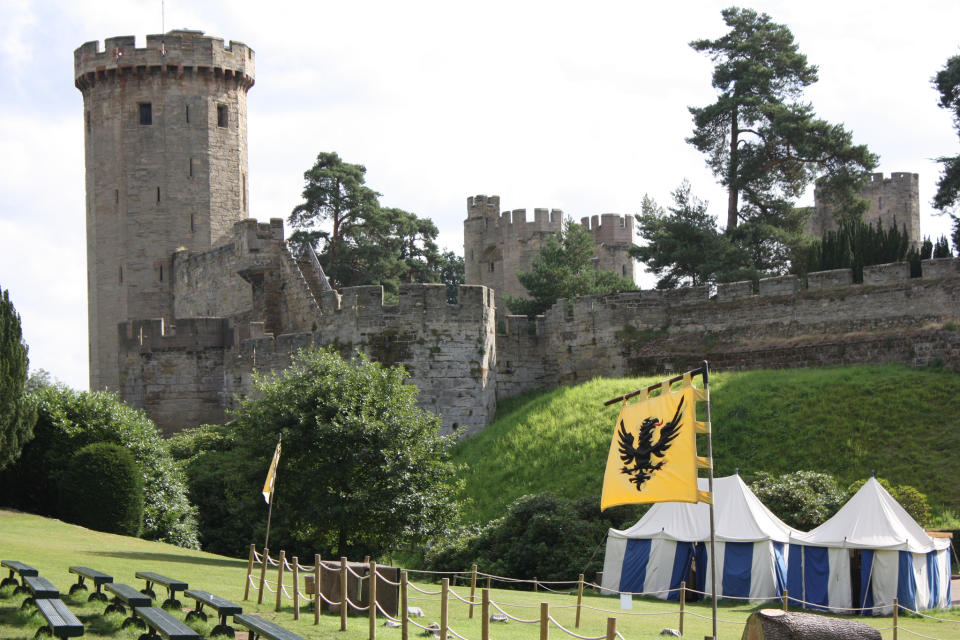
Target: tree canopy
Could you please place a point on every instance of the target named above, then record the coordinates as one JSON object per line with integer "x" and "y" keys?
{"x": 364, "y": 469}
{"x": 357, "y": 240}
{"x": 765, "y": 145}
{"x": 17, "y": 413}
{"x": 947, "y": 83}
{"x": 564, "y": 268}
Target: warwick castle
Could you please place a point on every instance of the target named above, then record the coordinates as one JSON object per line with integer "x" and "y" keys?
{"x": 188, "y": 296}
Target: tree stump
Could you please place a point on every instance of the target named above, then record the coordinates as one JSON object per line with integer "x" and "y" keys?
{"x": 775, "y": 624}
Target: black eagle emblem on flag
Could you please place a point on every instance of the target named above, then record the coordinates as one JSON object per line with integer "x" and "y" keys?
{"x": 641, "y": 456}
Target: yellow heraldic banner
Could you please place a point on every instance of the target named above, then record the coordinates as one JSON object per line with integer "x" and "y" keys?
{"x": 653, "y": 455}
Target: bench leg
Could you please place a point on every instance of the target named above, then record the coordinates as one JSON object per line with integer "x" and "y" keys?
{"x": 6, "y": 582}
{"x": 42, "y": 632}
{"x": 29, "y": 602}
{"x": 223, "y": 630}
{"x": 97, "y": 596}
{"x": 149, "y": 636}
{"x": 20, "y": 589}
{"x": 79, "y": 586}
{"x": 134, "y": 621}
{"x": 171, "y": 603}
{"x": 196, "y": 613}
{"x": 115, "y": 607}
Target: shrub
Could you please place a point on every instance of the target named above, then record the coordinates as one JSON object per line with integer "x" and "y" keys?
{"x": 102, "y": 488}
{"x": 68, "y": 421}
{"x": 803, "y": 499}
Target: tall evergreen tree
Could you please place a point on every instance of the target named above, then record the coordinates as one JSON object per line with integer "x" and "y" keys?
{"x": 763, "y": 144}
{"x": 17, "y": 413}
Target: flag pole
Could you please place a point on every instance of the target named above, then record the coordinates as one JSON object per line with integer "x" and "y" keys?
{"x": 713, "y": 556}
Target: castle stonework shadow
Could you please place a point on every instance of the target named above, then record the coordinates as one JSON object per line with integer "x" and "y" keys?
{"x": 188, "y": 297}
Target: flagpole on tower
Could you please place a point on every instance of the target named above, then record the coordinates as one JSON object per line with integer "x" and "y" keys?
{"x": 713, "y": 556}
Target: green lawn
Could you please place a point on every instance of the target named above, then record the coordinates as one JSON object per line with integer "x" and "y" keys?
{"x": 52, "y": 546}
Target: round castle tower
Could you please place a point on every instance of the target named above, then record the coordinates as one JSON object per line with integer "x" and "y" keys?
{"x": 166, "y": 167}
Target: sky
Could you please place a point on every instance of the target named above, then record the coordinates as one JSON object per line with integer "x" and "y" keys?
{"x": 571, "y": 105}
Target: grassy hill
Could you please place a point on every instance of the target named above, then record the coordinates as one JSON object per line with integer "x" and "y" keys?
{"x": 846, "y": 421}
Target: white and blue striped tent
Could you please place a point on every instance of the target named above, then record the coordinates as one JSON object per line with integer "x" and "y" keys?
{"x": 655, "y": 555}
{"x": 866, "y": 555}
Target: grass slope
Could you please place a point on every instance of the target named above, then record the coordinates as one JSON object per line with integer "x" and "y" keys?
{"x": 846, "y": 421}
{"x": 52, "y": 546}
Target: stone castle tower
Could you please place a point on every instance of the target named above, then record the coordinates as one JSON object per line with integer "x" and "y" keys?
{"x": 892, "y": 200}
{"x": 497, "y": 245}
{"x": 166, "y": 167}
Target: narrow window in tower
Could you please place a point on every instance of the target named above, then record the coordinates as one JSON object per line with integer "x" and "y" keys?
{"x": 192, "y": 228}
{"x": 116, "y": 196}
{"x": 121, "y": 274}
{"x": 188, "y": 113}
{"x": 623, "y": 222}
{"x": 191, "y": 167}
{"x": 880, "y": 204}
{"x": 146, "y": 113}
{"x": 87, "y": 116}
{"x": 158, "y": 194}
{"x": 624, "y": 269}
{"x": 221, "y": 115}
{"x": 244, "y": 194}
{"x": 491, "y": 267}
{"x": 161, "y": 273}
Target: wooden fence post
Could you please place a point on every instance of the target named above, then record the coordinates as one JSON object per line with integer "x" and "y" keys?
{"x": 535, "y": 584}
{"x": 611, "y": 628}
{"x": 786, "y": 599}
{"x": 473, "y": 588}
{"x": 683, "y": 600}
{"x": 444, "y": 601}
{"x": 296, "y": 588}
{"x": 343, "y": 594}
{"x": 896, "y": 611}
{"x": 283, "y": 560}
{"x": 246, "y": 586}
{"x": 263, "y": 573}
{"x": 489, "y": 582}
{"x": 484, "y": 615}
{"x": 404, "y": 624}
{"x": 544, "y": 622}
{"x": 579, "y": 598}
{"x": 317, "y": 568}
{"x": 372, "y": 591}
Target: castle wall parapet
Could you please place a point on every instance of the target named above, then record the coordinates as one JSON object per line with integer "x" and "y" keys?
{"x": 891, "y": 273}
{"x": 164, "y": 53}
{"x": 779, "y": 286}
{"x": 610, "y": 228}
{"x": 937, "y": 268}
{"x": 184, "y": 333}
{"x": 734, "y": 290}
{"x": 832, "y": 279}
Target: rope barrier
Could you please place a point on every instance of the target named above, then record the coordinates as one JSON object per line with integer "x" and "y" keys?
{"x": 357, "y": 607}
{"x": 450, "y": 630}
{"x": 417, "y": 624}
{"x": 387, "y": 580}
{"x": 919, "y": 635}
{"x": 923, "y": 615}
{"x": 438, "y": 573}
{"x": 697, "y": 615}
{"x": 571, "y": 633}
{"x": 429, "y": 593}
{"x": 460, "y": 598}
{"x": 385, "y": 614}
{"x": 497, "y": 607}
{"x": 328, "y": 600}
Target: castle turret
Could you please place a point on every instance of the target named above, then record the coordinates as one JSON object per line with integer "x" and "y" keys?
{"x": 892, "y": 200}
{"x": 166, "y": 167}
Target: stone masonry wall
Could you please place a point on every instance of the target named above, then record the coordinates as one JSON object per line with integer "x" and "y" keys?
{"x": 893, "y": 199}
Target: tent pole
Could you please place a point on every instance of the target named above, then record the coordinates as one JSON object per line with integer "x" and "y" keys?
{"x": 713, "y": 557}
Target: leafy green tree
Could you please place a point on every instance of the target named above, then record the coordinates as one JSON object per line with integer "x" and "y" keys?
{"x": 913, "y": 501}
{"x": 359, "y": 242}
{"x": 765, "y": 145}
{"x": 803, "y": 499}
{"x": 17, "y": 413}
{"x": 451, "y": 271}
{"x": 564, "y": 268}
{"x": 364, "y": 469}
{"x": 102, "y": 489}
{"x": 947, "y": 83}
{"x": 683, "y": 245}
{"x": 68, "y": 421}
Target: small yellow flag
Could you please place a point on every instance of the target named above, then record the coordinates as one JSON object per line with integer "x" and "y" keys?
{"x": 271, "y": 475}
{"x": 653, "y": 454}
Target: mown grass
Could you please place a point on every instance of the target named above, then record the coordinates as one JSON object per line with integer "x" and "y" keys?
{"x": 846, "y": 421}
{"x": 52, "y": 546}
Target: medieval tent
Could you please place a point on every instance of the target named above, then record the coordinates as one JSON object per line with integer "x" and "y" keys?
{"x": 866, "y": 555}
{"x": 655, "y": 555}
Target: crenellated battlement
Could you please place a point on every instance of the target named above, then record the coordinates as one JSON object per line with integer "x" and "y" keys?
{"x": 610, "y": 228}
{"x": 896, "y": 176}
{"x": 174, "y": 52}
{"x": 192, "y": 334}
{"x": 483, "y": 207}
{"x": 412, "y": 299}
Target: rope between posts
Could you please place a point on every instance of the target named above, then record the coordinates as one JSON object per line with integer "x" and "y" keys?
{"x": 505, "y": 579}
{"x": 416, "y": 588}
{"x": 438, "y": 573}
{"x": 620, "y": 635}
{"x": 251, "y": 580}
{"x": 920, "y": 635}
{"x": 271, "y": 561}
{"x": 417, "y": 624}
{"x": 521, "y": 606}
{"x": 923, "y": 615}
{"x": 305, "y": 567}
{"x": 258, "y": 557}
{"x": 287, "y": 565}
{"x": 450, "y": 630}
{"x": 283, "y": 588}
{"x": 355, "y": 574}
{"x": 419, "y": 598}
{"x": 571, "y": 633}
{"x": 460, "y": 598}
{"x": 355, "y": 607}
{"x": 385, "y": 614}
{"x": 697, "y": 615}
{"x": 328, "y": 600}
{"x": 497, "y": 607}
{"x": 386, "y": 580}
{"x": 564, "y": 593}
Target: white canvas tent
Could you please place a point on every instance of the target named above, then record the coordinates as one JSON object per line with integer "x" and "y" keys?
{"x": 866, "y": 555}
{"x": 655, "y": 555}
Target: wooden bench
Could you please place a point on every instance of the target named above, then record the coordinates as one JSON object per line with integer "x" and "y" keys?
{"x": 39, "y": 589}
{"x": 99, "y": 579}
{"x": 16, "y": 568}
{"x": 172, "y": 587}
{"x": 223, "y": 607}
{"x": 124, "y": 594}
{"x": 60, "y": 620}
{"x": 259, "y": 627}
{"x": 164, "y": 625}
